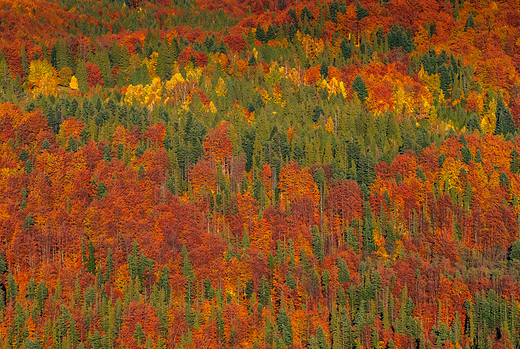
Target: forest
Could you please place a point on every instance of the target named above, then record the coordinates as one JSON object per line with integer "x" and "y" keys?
{"x": 259, "y": 174}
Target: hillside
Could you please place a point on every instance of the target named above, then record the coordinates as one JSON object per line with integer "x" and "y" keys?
{"x": 259, "y": 174}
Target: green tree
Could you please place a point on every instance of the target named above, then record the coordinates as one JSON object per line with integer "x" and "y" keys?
{"x": 91, "y": 261}
{"x": 12, "y": 288}
{"x": 361, "y": 12}
{"x": 368, "y": 229}
{"x": 82, "y": 76}
{"x": 515, "y": 162}
{"x": 343, "y": 271}
{"x": 109, "y": 265}
{"x": 3, "y": 264}
{"x": 260, "y": 33}
{"x": 164, "y": 61}
{"x": 505, "y": 122}
{"x": 360, "y": 88}
{"x": 283, "y": 321}
{"x": 317, "y": 244}
{"x": 514, "y": 251}
{"x": 41, "y": 296}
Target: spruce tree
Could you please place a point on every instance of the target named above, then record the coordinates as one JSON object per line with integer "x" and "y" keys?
{"x": 505, "y": 122}
{"x": 283, "y": 322}
{"x": 164, "y": 62}
{"x": 91, "y": 261}
{"x": 82, "y": 76}
{"x": 360, "y": 88}
{"x": 515, "y": 162}
{"x": 368, "y": 229}
{"x": 260, "y": 34}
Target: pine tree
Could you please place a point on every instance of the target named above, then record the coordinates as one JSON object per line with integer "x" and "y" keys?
{"x": 41, "y": 296}
{"x": 346, "y": 49}
{"x": 343, "y": 271}
{"x": 260, "y": 34}
{"x": 283, "y": 322}
{"x": 82, "y": 76}
{"x": 360, "y": 88}
{"x": 106, "y": 70}
{"x": 12, "y": 288}
{"x": 24, "y": 61}
{"x": 470, "y": 22}
{"x": 3, "y": 264}
{"x": 515, "y": 162}
{"x": 368, "y": 229}
{"x": 109, "y": 265}
{"x": 91, "y": 261}
{"x": 505, "y": 122}
{"x": 361, "y": 12}
{"x": 164, "y": 283}
{"x": 164, "y": 62}
{"x": 187, "y": 270}
{"x": 317, "y": 244}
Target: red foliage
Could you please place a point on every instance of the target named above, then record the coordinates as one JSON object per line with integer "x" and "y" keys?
{"x": 94, "y": 76}
{"x": 235, "y": 42}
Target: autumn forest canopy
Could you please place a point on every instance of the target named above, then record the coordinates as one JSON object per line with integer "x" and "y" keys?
{"x": 259, "y": 174}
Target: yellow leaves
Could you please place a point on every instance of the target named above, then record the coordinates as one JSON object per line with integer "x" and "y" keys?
{"x": 148, "y": 95}
{"x": 329, "y": 125}
{"x": 73, "y": 83}
{"x": 221, "y": 89}
{"x": 450, "y": 173}
{"x": 313, "y": 47}
{"x": 48, "y": 86}
{"x": 44, "y": 76}
{"x": 39, "y": 69}
{"x": 192, "y": 73}
{"x": 489, "y": 118}
{"x": 151, "y": 64}
{"x": 275, "y": 74}
{"x": 277, "y": 93}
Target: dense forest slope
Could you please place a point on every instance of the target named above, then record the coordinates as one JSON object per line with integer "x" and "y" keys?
{"x": 259, "y": 174}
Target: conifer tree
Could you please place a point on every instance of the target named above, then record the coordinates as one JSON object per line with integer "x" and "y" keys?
{"x": 164, "y": 61}
{"x": 91, "y": 261}
{"x": 283, "y": 322}
{"x": 368, "y": 228}
{"x": 82, "y": 76}
{"x": 505, "y": 122}
{"x": 360, "y": 88}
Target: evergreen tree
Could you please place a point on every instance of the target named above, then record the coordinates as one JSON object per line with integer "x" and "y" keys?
{"x": 41, "y": 296}
{"x": 12, "y": 288}
{"x": 346, "y": 48}
{"x": 109, "y": 265}
{"x": 505, "y": 122}
{"x": 24, "y": 61}
{"x": 361, "y": 12}
{"x": 106, "y": 70}
{"x": 368, "y": 229}
{"x": 515, "y": 162}
{"x": 360, "y": 88}
{"x": 3, "y": 264}
{"x": 91, "y": 261}
{"x": 164, "y": 62}
{"x": 164, "y": 283}
{"x": 343, "y": 271}
{"x": 283, "y": 321}
{"x": 260, "y": 33}
{"x": 317, "y": 244}
{"x": 514, "y": 251}
{"x": 187, "y": 270}
{"x": 470, "y": 22}
{"x": 82, "y": 76}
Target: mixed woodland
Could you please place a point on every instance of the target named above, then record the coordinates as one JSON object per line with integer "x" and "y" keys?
{"x": 259, "y": 174}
